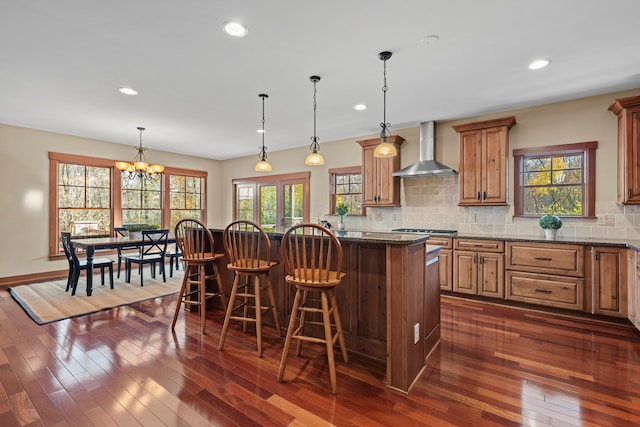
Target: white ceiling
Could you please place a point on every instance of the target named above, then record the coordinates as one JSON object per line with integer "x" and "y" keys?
{"x": 61, "y": 63}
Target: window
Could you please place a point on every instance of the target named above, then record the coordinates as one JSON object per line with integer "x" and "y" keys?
{"x": 346, "y": 187}
{"x": 84, "y": 199}
{"x": 185, "y": 194}
{"x": 275, "y": 202}
{"x": 142, "y": 201}
{"x": 88, "y": 196}
{"x": 557, "y": 180}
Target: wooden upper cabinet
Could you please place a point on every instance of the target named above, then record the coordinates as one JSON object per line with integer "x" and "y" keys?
{"x": 628, "y": 112}
{"x": 484, "y": 150}
{"x": 379, "y": 186}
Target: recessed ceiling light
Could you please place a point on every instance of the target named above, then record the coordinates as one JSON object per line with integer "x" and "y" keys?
{"x": 128, "y": 91}
{"x": 539, "y": 63}
{"x": 360, "y": 107}
{"x": 235, "y": 29}
{"x": 261, "y": 131}
{"x": 430, "y": 39}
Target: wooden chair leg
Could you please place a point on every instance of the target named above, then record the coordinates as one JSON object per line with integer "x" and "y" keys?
{"x": 272, "y": 301}
{"x": 216, "y": 271}
{"x": 141, "y": 269}
{"x": 287, "y": 340}
{"x": 303, "y": 320}
{"x": 202, "y": 293}
{"x": 258, "y": 310}
{"x": 338, "y": 324}
{"x": 111, "y": 276}
{"x": 180, "y": 300}
{"x": 227, "y": 316}
{"x": 328, "y": 336}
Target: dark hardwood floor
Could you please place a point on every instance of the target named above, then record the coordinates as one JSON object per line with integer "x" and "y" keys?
{"x": 495, "y": 366}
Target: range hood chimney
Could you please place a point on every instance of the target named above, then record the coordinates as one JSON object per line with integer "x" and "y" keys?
{"x": 427, "y": 166}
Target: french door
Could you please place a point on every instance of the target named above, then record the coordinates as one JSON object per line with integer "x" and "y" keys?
{"x": 276, "y": 202}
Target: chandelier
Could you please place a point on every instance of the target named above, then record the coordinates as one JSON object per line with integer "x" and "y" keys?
{"x": 140, "y": 167}
{"x": 385, "y": 149}
{"x": 263, "y": 165}
{"x": 314, "y": 158}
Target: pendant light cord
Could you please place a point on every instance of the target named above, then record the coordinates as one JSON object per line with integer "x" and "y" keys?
{"x": 384, "y": 125}
{"x": 263, "y": 149}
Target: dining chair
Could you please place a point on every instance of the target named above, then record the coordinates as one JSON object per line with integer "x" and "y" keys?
{"x": 249, "y": 251}
{"x": 154, "y": 245}
{"x": 196, "y": 244}
{"x": 174, "y": 255}
{"x": 123, "y": 232}
{"x": 76, "y": 265}
{"x": 312, "y": 258}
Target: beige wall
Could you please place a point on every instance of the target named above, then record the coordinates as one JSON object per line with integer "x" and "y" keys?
{"x": 432, "y": 201}
{"x": 426, "y": 202}
{"x": 24, "y": 190}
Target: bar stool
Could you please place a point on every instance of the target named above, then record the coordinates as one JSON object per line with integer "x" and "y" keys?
{"x": 249, "y": 251}
{"x": 312, "y": 258}
{"x": 195, "y": 242}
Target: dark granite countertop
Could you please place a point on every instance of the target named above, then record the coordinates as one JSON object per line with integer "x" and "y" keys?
{"x": 392, "y": 238}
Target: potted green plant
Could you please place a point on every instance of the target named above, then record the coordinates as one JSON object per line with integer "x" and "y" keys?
{"x": 342, "y": 210}
{"x": 550, "y": 224}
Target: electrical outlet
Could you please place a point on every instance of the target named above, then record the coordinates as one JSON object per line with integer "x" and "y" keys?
{"x": 602, "y": 219}
{"x": 416, "y": 333}
{"x": 472, "y": 217}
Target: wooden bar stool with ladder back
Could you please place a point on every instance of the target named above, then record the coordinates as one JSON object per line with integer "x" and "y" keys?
{"x": 312, "y": 257}
{"x": 201, "y": 264}
{"x": 249, "y": 251}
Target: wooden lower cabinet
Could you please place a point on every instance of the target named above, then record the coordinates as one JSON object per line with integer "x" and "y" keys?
{"x": 606, "y": 272}
{"x": 445, "y": 260}
{"x": 633, "y": 306}
{"x": 545, "y": 289}
{"x": 478, "y": 267}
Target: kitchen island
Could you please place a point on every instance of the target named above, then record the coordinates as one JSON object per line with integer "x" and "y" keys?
{"x": 389, "y": 304}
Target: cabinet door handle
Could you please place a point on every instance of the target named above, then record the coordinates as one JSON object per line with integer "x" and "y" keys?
{"x": 481, "y": 260}
{"x": 597, "y": 255}
{"x": 484, "y": 195}
{"x": 475, "y": 258}
{"x": 630, "y": 193}
{"x": 539, "y": 258}
{"x": 479, "y": 195}
{"x": 544, "y": 291}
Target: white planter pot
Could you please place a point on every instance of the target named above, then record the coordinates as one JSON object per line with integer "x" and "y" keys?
{"x": 550, "y": 234}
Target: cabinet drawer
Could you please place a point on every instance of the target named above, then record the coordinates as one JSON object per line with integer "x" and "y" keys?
{"x": 545, "y": 289}
{"x": 567, "y": 260}
{"x": 479, "y": 245}
{"x": 445, "y": 242}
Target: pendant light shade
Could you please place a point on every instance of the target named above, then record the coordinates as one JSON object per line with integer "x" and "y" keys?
{"x": 263, "y": 165}
{"x": 314, "y": 158}
{"x": 385, "y": 149}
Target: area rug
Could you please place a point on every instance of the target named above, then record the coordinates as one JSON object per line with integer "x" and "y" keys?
{"x": 48, "y": 302}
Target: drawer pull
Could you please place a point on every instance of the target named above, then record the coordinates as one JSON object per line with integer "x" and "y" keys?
{"x": 544, "y": 291}
{"x": 539, "y": 258}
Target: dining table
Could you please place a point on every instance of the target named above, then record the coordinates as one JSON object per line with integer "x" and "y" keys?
{"x": 91, "y": 244}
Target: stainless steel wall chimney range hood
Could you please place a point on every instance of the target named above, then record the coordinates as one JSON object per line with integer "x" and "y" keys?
{"x": 427, "y": 166}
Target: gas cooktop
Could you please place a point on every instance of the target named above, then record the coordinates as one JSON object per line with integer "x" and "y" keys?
{"x": 424, "y": 230}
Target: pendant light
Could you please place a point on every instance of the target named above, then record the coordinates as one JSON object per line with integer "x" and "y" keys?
{"x": 314, "y": 158}
{"x": 263, "y": 165}
{"x": 139, "y": 167}
{"x": 385, "y": 149}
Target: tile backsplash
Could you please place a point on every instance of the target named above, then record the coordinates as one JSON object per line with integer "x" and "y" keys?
{"x": 432, "y": 202}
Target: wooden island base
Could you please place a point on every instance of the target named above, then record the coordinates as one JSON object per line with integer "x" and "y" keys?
{"x": 389, "y": 301}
